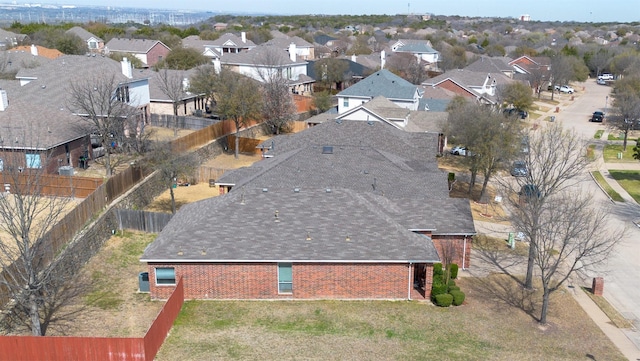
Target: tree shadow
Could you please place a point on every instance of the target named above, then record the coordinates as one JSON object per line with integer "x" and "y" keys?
{"x": 164, "y": 205}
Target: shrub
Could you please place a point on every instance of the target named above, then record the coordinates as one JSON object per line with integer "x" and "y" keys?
{"x": 457, "y": 296}
{"x": 444, "y": 300}
{"x": 437, "y": 269}
{"x": 437, "y": 279}
{"x": 453, "y": 269}
{"x": 451, "y": 283}
{"x": 454, "y": 288}
{"x": 438, "y": 289}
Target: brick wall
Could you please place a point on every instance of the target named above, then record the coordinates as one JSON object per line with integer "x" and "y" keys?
{"x": 458, "y": 242}
{"x": 310, "y": 281}
{"x": 156, "y": 53}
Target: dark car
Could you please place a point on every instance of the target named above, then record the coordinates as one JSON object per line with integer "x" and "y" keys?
{"x": 529, "y": 192}
{"x": 519, "y": 169}
{"x": 597, "y": 116}
{"x": 522, "y": 114}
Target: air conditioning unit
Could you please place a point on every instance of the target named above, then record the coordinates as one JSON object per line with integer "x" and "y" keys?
{"x": 66, "y": 170}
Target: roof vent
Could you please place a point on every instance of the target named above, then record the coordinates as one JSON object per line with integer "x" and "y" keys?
{"x": 328, "y": 190}
{"x": 327, "y": 149}
{"x": 265, "y": 190}
{"x": 277, "y": 220}
{"x": 339, "y": 121}
{"x": 370, "y": 122}
{"x": 296, "y": 190}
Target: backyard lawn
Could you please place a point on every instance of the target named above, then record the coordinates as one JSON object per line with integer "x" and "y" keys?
{"x": 492, "y": 324}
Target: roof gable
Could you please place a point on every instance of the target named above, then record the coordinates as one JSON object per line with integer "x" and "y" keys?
{"x": 384, "y": 83}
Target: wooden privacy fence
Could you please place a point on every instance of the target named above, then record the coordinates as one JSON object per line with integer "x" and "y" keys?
{"x": 151, "y": 222}
{"x": 61, "y": 233}
{"x": 52, "y": 348}
{"x": 204, "y": 174}
{"x": 247, "y": 145}
{"x": 50, "y": 184}
{"x": 303, "y": 104}
{"x": 202, "y": 136}
{"x": 183, "y": 122}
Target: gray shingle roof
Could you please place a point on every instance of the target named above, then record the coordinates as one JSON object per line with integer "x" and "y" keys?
{"x": 263, "y": 55}
{"x": 139, "y": 46}
{"x": 82, "y": 33}
{"x": 40, "y": 107}
{"x": 229, "y": 40}
{"x": 311, "y": 225}
{"x": 382, "y": 82}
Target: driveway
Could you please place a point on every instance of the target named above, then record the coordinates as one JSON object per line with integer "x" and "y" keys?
{"x": 622, "y": 272}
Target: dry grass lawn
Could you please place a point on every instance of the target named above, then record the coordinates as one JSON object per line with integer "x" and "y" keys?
{"x": 494, "y": 323}
{"x": 113, "y": 307}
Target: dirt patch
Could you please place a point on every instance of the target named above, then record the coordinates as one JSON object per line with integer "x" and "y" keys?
{"x": 183, "y": 195}
{"x": 165, "y": 134}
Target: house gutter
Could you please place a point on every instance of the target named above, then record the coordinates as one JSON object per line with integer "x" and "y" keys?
{"x": 409, "y": 282}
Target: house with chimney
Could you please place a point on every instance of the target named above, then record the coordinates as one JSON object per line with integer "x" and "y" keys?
{"x": 231, "y": 43}
{"x": 381, "y": 83}
{"x": 261, "y": 61}
{"x": 30, "y": 140}
{"x": 148, "y": 51}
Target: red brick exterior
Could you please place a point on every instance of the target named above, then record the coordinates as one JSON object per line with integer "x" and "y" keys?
{"x": 451, "y": 86}
{"x": 461, "y": 245}
{"x": 597, "y": 288}
{"x": 156, "y": 53}
{"x": 310, "y": 281}
{"x": 51, "y": 160}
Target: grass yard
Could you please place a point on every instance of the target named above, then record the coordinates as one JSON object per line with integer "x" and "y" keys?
{"x": 598, "y": 134}
{"x": 629, "y": 180}
{"x": 113, "y": 307}
{"x": 494, "y": 323}
{"x": 606, "y": 187}
{"x": 610, "y": 153}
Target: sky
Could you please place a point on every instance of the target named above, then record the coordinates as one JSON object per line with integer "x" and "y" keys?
{"x": 542, "y": 10}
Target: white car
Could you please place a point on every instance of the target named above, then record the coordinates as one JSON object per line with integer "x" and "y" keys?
{"x": 566, "y": 89}
{"x": 605, "y": 76}
{"x": 460, "y": 150}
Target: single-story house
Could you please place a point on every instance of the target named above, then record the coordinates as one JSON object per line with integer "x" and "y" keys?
{"x": 148, "y": 51}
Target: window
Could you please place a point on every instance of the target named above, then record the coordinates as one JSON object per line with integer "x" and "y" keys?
{"x": 93, "y": 45}
{"x": 33, "y": 160}
{"x": 285, "y": 278}
{"x": 346, "y": 102}
{"x": 122, "y": 94}
{"x": 165, "y": 276}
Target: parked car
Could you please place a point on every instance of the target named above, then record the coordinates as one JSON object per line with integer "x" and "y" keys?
{"x": 460, "y": 150}
{"x": 519, "y": 169}
{"x": 522, "y": 114}
{"x": 601, "y": 81}
{"x": 565, "y": 89}
{"x": 528, "y": 192}
{"x": 597, "y": 116}
{"x": 605, "y": 76}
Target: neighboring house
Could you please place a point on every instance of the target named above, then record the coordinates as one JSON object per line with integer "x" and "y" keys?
{"x": 421, "y": 49}
{"x": 60, "y": 134}
{"x": 347, "y": 209}
{"x": 148, "y": 51}
{"x": 263, "y": 60}
{"x": 161, "y": 103}
{"x": 9, "y": 39}
{"x": 477, "y": 85}
{"x": 231, "y": 43}
{"x": 384, "y": 83}
{"x": 204, "y": 46}
{"x": 354, "y": 73}
{"x": 492, "y": 65}
{"x": 94, "y": 43}
{"x": 304, "y": 49}
{"x": 37, "y": 50}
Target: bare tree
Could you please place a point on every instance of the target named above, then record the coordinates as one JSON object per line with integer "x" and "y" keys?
{"x": 172, "y": 166}
{"x": 555, "y": 160}
{"x": 626, "y": 105}
{"x": 171, "y": 84}
{"x": 571, "y": 236}
{"x": 237, "y": 98}
{"x": 277, "y": 99}
{"x": 491, "y": 138}
{"x": 561, "y": 72}
{"x": 408, "y": 67}
{"x": 331, "y": 71}
{"x": 103, "y": 104}
{"x": 39, "y": 289}
{"x": 204, "y": 81}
